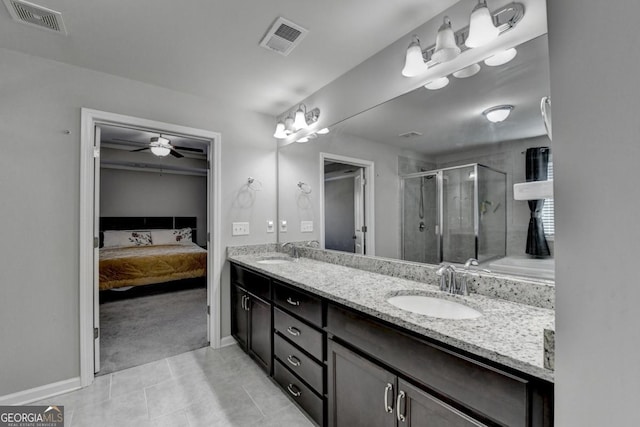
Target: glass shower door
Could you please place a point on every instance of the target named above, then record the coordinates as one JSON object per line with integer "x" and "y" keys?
{"x": 458, "y": 218}
{"x": 420, "y": 240}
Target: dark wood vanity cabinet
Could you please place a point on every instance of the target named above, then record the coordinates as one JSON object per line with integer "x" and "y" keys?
{"x": 346, "y": 368}
{"x": 251, "y": 319}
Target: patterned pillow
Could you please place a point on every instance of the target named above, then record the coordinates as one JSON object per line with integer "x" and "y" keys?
{"x": 180, "y": 236}
{"x": 115, "y": 239}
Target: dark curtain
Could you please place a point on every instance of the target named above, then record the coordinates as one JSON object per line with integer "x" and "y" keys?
{"x": 536, "y": 170}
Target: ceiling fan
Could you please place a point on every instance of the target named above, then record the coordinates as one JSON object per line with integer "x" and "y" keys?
{"x": 161, "y": 147}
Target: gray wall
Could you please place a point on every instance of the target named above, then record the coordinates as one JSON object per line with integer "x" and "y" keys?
{"x": 39, "y": 183}
{"x": 596, "y": 152}
{"x": 135, "y": 193}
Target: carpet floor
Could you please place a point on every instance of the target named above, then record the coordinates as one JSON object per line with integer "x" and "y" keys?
{"x": 149, "y": 328}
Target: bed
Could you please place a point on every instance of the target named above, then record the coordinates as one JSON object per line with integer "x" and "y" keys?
{"x": 128, "y": 256}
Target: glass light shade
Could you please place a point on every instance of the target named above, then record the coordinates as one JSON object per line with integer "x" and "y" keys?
{"x": 414, "y": 62}
{"x": 498, "y": 114}
{"x": 481, "y": 28}
{"x": 300, "y": 122}
{"x": 469, "y": 71}
{"x": 501, "y": 57}
{"x": 323, "y": 131}
{"x": 160, "y": 151}
{"x": 437, "y": 83}
{"x": 280, "y": 133}
{"x": 303, "y": 139}
{"x": 288, "y": 126}
{"x": 446, "y": 47}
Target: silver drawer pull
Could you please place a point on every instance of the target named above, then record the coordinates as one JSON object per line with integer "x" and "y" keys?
{"x": 388, "y": 408}
{"x": 293, "y": 331}
{"x": 400, "y": 415}
{"x": 293, "y": 360}
{"x": 292, "y": 302}
{"x": 293, "y": 390}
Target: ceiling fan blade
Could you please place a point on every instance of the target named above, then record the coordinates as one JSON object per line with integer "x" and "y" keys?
{"x": 174, "y": 153}
{"x": 195, "y": 150}
{"x": 139, "y": 149}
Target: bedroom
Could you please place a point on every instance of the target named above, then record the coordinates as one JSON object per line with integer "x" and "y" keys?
{"x": 153, "y": 248}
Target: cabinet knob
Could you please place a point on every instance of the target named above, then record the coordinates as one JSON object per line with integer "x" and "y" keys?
{"x": 294, "y": 390}
{"x": 292, "y": 302}
{"x": 293, "y": 331}
{"x": 388, "y": 408}
{"x": 293, "y": 360}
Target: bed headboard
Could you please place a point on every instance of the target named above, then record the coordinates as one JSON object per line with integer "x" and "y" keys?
{"x": 148, "y": 223}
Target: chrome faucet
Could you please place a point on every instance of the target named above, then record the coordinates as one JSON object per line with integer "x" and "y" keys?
{"x": 468, "y": 268}
{"x": 294, "y": 250}
{"x": 313, "y": 244}
{"x": 447, "y": 273}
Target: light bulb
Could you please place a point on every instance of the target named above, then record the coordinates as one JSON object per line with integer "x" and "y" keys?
{"x": 501, "y": 57}
{"x": 481, "y": 28}
{"x": 300, "y": 122}
{"x": 469, "y": 71}
{"x": 414, "y": 62}
{"x": 288, "y": 126}
{"x": 446, "y": 47}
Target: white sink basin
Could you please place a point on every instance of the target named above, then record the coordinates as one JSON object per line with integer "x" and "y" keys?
{"x": 272, "y": 261}
{"x": 434, "y": 307}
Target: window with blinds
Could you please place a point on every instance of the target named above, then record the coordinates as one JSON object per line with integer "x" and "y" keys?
{"x": 547, "y": 209}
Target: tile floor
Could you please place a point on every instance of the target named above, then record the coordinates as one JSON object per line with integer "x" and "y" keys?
{"x": 204, "y": 387}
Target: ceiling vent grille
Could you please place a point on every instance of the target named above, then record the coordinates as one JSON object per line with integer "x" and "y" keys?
{"x": 283, "y": 36}
{"x": 36, "y": 16}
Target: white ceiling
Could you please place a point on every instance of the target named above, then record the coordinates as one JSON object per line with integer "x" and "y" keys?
{"x": 211, "y": 48}
{"x": 450, "y": 119}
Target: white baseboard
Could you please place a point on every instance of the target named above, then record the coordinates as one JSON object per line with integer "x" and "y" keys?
{"x": 227, "y": 341}
{"x": 42, "y": 392}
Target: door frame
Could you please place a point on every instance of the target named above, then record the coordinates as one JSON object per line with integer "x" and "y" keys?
{"x": 89, "y": 120}
{"x": 369, "y": 201}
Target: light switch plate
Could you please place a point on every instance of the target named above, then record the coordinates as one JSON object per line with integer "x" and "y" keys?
{"x": 240, "y": 229}
{"x": 270, "y": 226}
{"x": 283, "y": 226}
{"x": 306, "y": 226}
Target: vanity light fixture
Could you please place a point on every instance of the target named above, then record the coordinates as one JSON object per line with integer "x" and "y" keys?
{"x": 280, "y": 132}
{"x": 446, "y": 47}
{"x": 484, "y": 26}
{"x": 481, "y": 27}
{"x": 302, "y": 119}
{"x": 288, "y": 126}
{"x": 465, "y": 72}
{"x": 498, "y": 114}
{"x": 323, "y": 131}
{"x": 437, "y": 83}
{"x": 501, "y": 58}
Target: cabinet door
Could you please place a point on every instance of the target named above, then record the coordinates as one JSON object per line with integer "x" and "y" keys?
{"x": 357, "y": 390}
{"x": 260, "y": 331}
{"x": 417, "y": 408}
{"x": 239, "y": 317}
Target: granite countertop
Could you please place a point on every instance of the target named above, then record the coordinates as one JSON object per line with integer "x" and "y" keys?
{"x": 508, "y": 333}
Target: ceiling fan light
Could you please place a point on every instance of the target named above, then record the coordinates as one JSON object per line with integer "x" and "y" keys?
{"x": 280, "y": 132}
{"x": 160, "y": 146}
{"x": 498, "y": 114}
{"x": 300, "y": 121}
{"x": 481, "y": 28}
{"x": 437, "y": 83}
{"x": 501, "y": 57}
{"x": 414, "y": 64}
{"x": 446, "y": 47}
{"x": 465, "y": 72}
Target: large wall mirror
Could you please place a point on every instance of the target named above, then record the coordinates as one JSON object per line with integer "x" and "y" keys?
{"x": 429, "y": 176}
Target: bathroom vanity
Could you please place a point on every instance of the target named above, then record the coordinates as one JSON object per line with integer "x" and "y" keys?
{"x": 329, "y": 338}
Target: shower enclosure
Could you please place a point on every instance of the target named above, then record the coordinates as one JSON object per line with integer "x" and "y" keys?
{"x": 454, "y": 214}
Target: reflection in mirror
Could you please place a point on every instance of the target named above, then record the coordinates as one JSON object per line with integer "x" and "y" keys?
{"x": 444, "y": 173}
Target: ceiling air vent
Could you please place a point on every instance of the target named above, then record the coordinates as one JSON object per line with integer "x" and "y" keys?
{"x": 410, "y": 134}
{"x": 283, "y": 36}
{"x": 36, "y": 16}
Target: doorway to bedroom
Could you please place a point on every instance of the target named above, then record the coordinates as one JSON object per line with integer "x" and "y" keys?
{"x": 153, "y": 203}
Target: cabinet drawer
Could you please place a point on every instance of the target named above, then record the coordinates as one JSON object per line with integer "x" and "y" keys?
{"x": 299, "y": 392}
{"x": 300, "y": 303}
{"x": 299, "y": 363}
{"x": 484, "y": 389}
{"x": 253, "y": 282}
{"x": 298, "y": 332}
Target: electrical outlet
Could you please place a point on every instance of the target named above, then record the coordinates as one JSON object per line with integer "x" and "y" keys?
{"x": 306, "y": 226}
{"x": 270, "y": 227}
{"x": 240, "y": 229}
{"x": 283, "y": 226}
